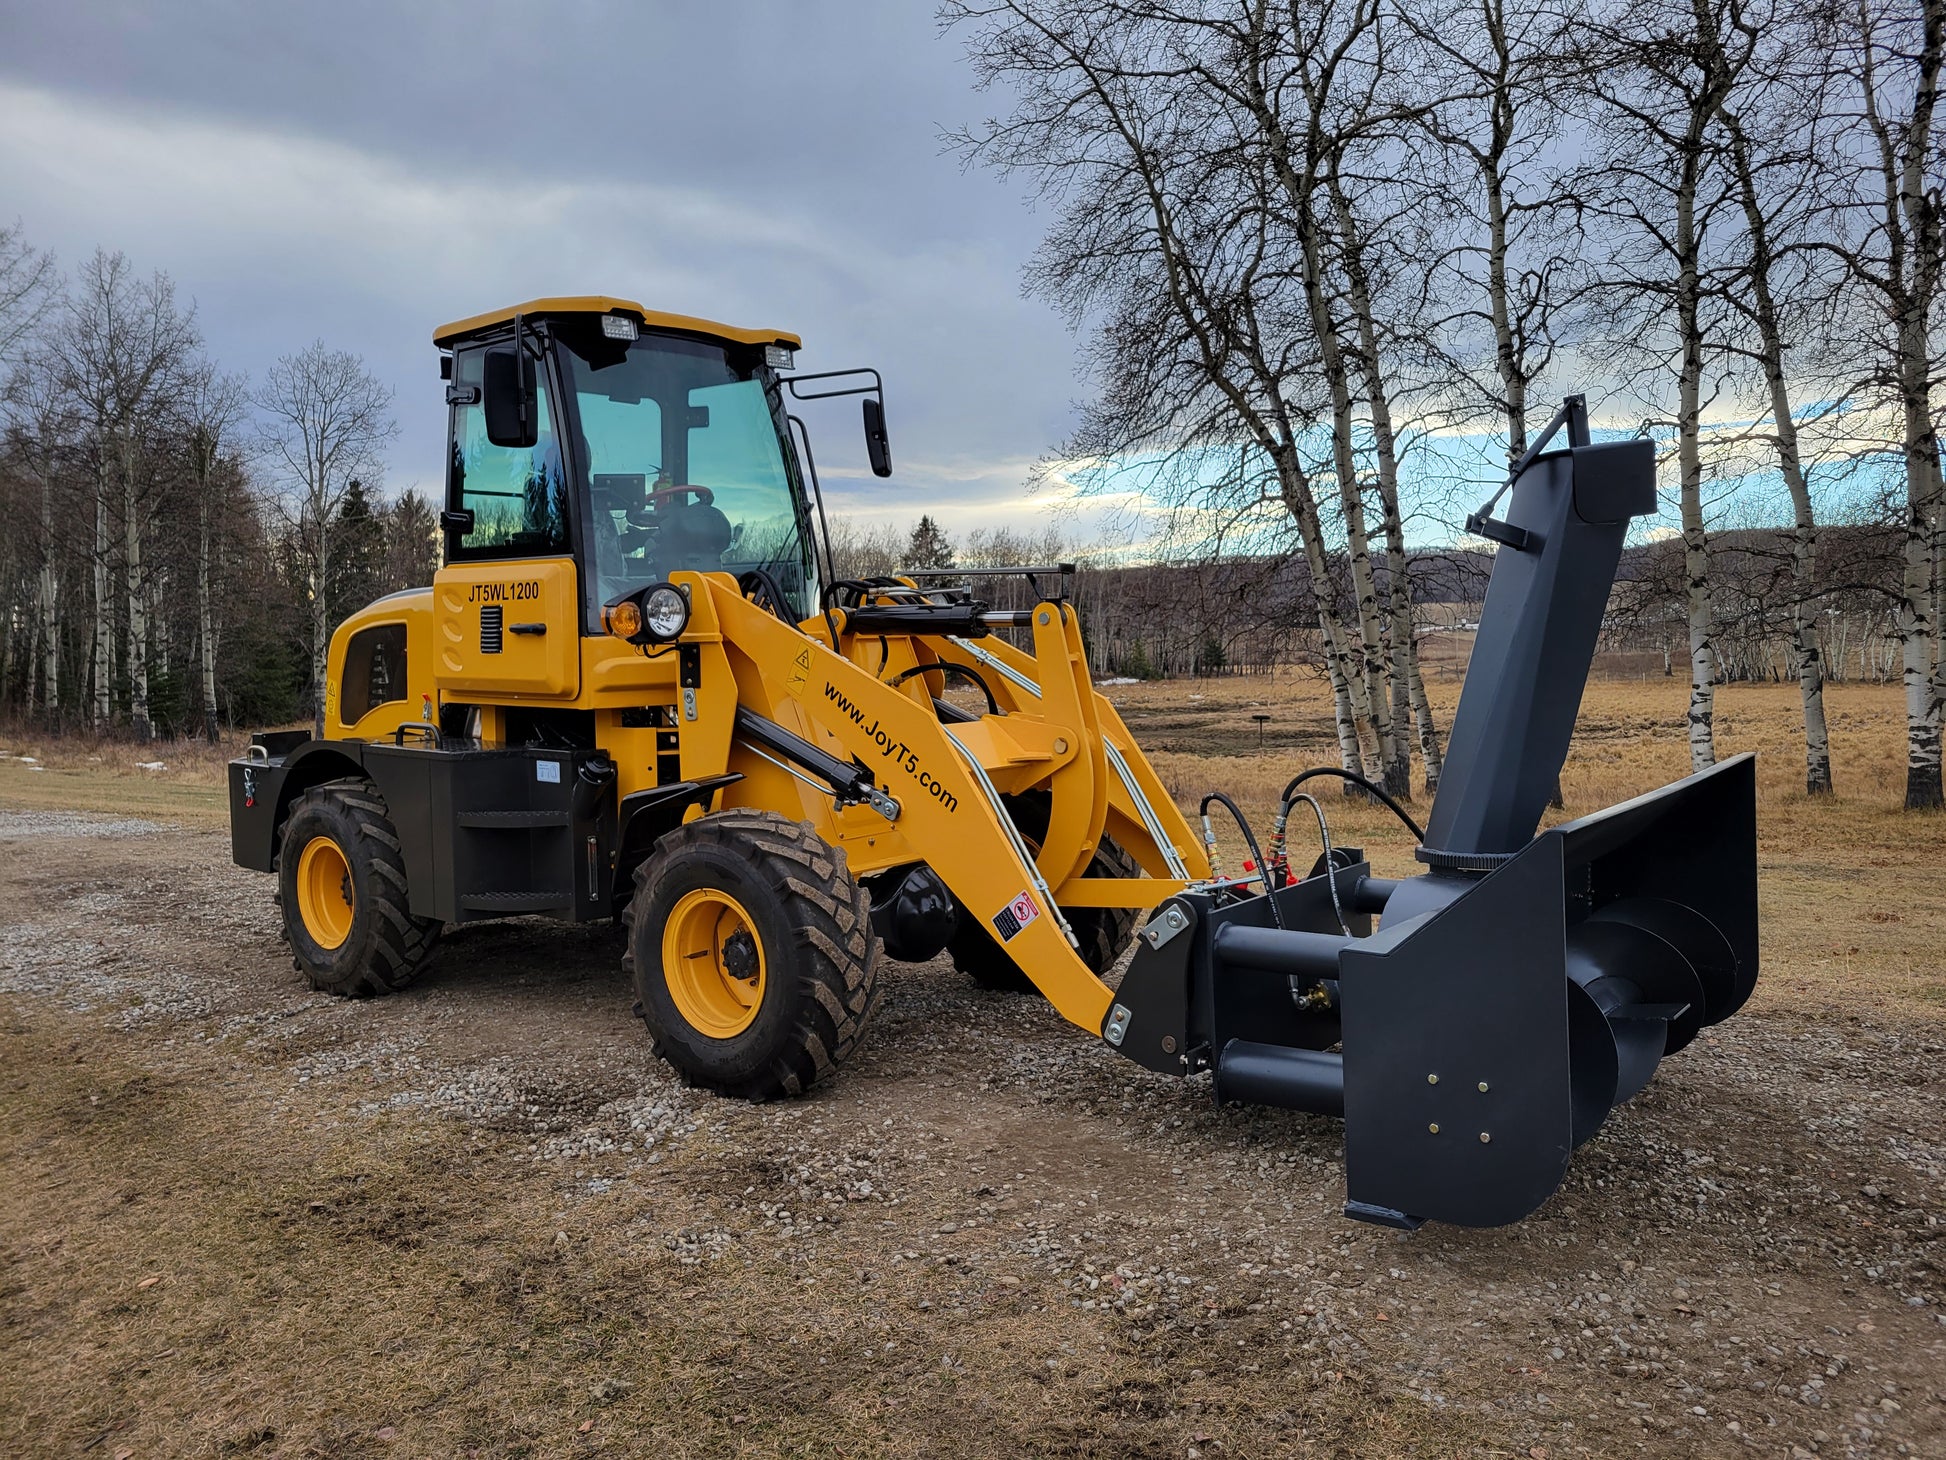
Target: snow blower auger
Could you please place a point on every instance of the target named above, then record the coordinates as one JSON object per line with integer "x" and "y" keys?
{"x": 1524, "y": 985}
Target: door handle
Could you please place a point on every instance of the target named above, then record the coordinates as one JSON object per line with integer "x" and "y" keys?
{"x": 527, "y": 629}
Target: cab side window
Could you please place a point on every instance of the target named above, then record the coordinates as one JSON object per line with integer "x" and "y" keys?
{"x": 374, "y": 671}
{"x": 518, "y": 497}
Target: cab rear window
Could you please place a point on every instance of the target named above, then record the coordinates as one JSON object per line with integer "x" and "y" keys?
{"x": 374, "y": 671}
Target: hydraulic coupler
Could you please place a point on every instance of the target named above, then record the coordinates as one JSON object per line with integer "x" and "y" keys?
{"x": 1525, "y": 984}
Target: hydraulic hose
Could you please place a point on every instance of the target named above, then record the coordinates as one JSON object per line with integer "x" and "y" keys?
{"x": 1377, "y": 794}
{"x": 1249, "y": 839}
{"x": 946, "y": 669}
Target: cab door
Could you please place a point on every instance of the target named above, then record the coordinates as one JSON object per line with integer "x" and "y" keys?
{"x": 507, "y": 605}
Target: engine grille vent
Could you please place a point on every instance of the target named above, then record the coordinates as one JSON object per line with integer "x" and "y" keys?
{"x": 490, "y": 617}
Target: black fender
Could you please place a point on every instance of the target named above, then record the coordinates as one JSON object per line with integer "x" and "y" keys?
{"x": 262, "y": 793}
{"x": 262, "y": 790}
{"x": 645, "y": 817}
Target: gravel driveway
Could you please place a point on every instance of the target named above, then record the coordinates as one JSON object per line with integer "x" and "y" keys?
{"x": 987, "y": 1234}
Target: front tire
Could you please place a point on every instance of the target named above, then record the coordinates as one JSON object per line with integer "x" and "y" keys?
{"x": 751, "y": 947}
{"x": 341, "y": 884}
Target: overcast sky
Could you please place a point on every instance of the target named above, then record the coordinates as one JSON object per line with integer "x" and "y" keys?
{"x": 361, "y": 172}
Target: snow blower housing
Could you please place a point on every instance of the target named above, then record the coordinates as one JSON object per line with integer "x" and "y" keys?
{"x": 1523, "y": 985}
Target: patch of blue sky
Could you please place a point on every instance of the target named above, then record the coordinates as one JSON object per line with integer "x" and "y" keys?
{"x": 1224, "y": 497}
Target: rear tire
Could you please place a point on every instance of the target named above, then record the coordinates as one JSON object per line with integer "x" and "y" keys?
{"x": 751, "y": 947}
{"x": 342, "y": 888}
{"x": 1103, "y": 933}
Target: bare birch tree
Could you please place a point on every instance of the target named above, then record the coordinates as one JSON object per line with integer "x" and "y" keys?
{"x": 29, "y": 290}
{"x": 123, "y": 348}
{"x": 1167, "y": 242}
{"x": 1367, "y": 349}
{"x": 1505, "y": 276}
{"x": 1313, "y": 83}
{"x": 1884, "y": 229}
{"x": 1769, "y": 139}
{"x": 325, "y": 417}
{"x": 1655, "y": 76}
{"x": 39, "y": 442}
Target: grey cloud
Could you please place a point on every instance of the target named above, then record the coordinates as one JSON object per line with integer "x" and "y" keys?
{"x": 764, "y": 163}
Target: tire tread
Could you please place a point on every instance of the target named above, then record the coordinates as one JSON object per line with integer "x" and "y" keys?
{"x": 833, "y": 956}
{"x": 401, "y": 944}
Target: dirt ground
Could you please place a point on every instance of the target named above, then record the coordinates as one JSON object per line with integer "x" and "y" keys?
{"x": 238, "y": 1218}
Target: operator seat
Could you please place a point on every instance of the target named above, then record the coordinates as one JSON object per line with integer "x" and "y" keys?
{"x": 692, "y": 535}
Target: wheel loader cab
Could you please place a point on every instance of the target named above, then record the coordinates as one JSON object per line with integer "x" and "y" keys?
{"x": 642, "y": 446}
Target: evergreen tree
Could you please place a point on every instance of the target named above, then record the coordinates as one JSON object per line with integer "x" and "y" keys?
{"x": 929, "y": 546}
{"x": 359, "y": 556}
{"x": 410, "y": 554}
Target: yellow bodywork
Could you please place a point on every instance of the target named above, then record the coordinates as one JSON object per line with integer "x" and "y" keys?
{"x": 1054, "y": 733}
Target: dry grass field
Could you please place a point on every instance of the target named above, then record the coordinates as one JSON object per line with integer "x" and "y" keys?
{"x": 1854, "y": 887}
{"x": 239, "y": 1219}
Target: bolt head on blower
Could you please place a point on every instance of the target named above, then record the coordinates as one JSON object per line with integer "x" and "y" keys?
{"x": 1525, "y": 985}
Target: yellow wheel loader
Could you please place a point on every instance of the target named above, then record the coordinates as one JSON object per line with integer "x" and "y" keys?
{"x": 638, "y": 691}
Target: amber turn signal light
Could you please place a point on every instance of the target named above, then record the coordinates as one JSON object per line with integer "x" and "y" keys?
{"x": 624, "y": 618}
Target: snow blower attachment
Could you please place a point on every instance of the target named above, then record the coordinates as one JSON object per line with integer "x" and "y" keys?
{"x": 1524, "y": 985}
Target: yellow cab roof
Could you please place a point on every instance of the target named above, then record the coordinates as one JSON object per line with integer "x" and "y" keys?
{"x": 653, "y": 319}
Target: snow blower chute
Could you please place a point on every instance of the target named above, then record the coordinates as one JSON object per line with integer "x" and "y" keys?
{"x": 1524, "y": 985}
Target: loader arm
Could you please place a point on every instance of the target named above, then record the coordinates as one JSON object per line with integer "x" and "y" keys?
{"x": 1141, "y": 815}
{"x": 948, "y": 810}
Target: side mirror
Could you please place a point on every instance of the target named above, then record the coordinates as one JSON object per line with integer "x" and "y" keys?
{"x": 877, "y": 446}
{"x": 512, "y": 399}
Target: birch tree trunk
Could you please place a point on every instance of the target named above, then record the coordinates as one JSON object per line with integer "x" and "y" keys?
{"x": 50, "y": 609}
{"x": 1806, "y": 662}
{"x": 138, "y": 601}
{"x": 1513, "y": 376}
{"x": 104, "y": 640}
{"x": 1918, "y": 271}
{"x": 205, "y": 620}
{"x": 1301, "y": 503}
{"x": 1695, "y": 538}
{"x": 320, "y": 627}
{"x": 1373, "y": 671}
{"x": 1702, "y": 641}
{"x": 1408, "y": 690}
{"x": 1918, "y": 629}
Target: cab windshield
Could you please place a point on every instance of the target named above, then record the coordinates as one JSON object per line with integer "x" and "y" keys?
{"x": 681, "y": 466}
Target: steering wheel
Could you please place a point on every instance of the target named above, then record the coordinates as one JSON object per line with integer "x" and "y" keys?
{"x": 663, "y": 497}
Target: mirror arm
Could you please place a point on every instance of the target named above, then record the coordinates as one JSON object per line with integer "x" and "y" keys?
{"x": 875, "y": 439}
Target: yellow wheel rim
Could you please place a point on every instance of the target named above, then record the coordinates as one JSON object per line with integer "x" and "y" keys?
{"x": 713, "y": 963}
{"x": 324, "y": 897}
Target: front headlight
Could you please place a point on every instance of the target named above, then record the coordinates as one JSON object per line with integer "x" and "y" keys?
{"x": 665, "y": 612}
